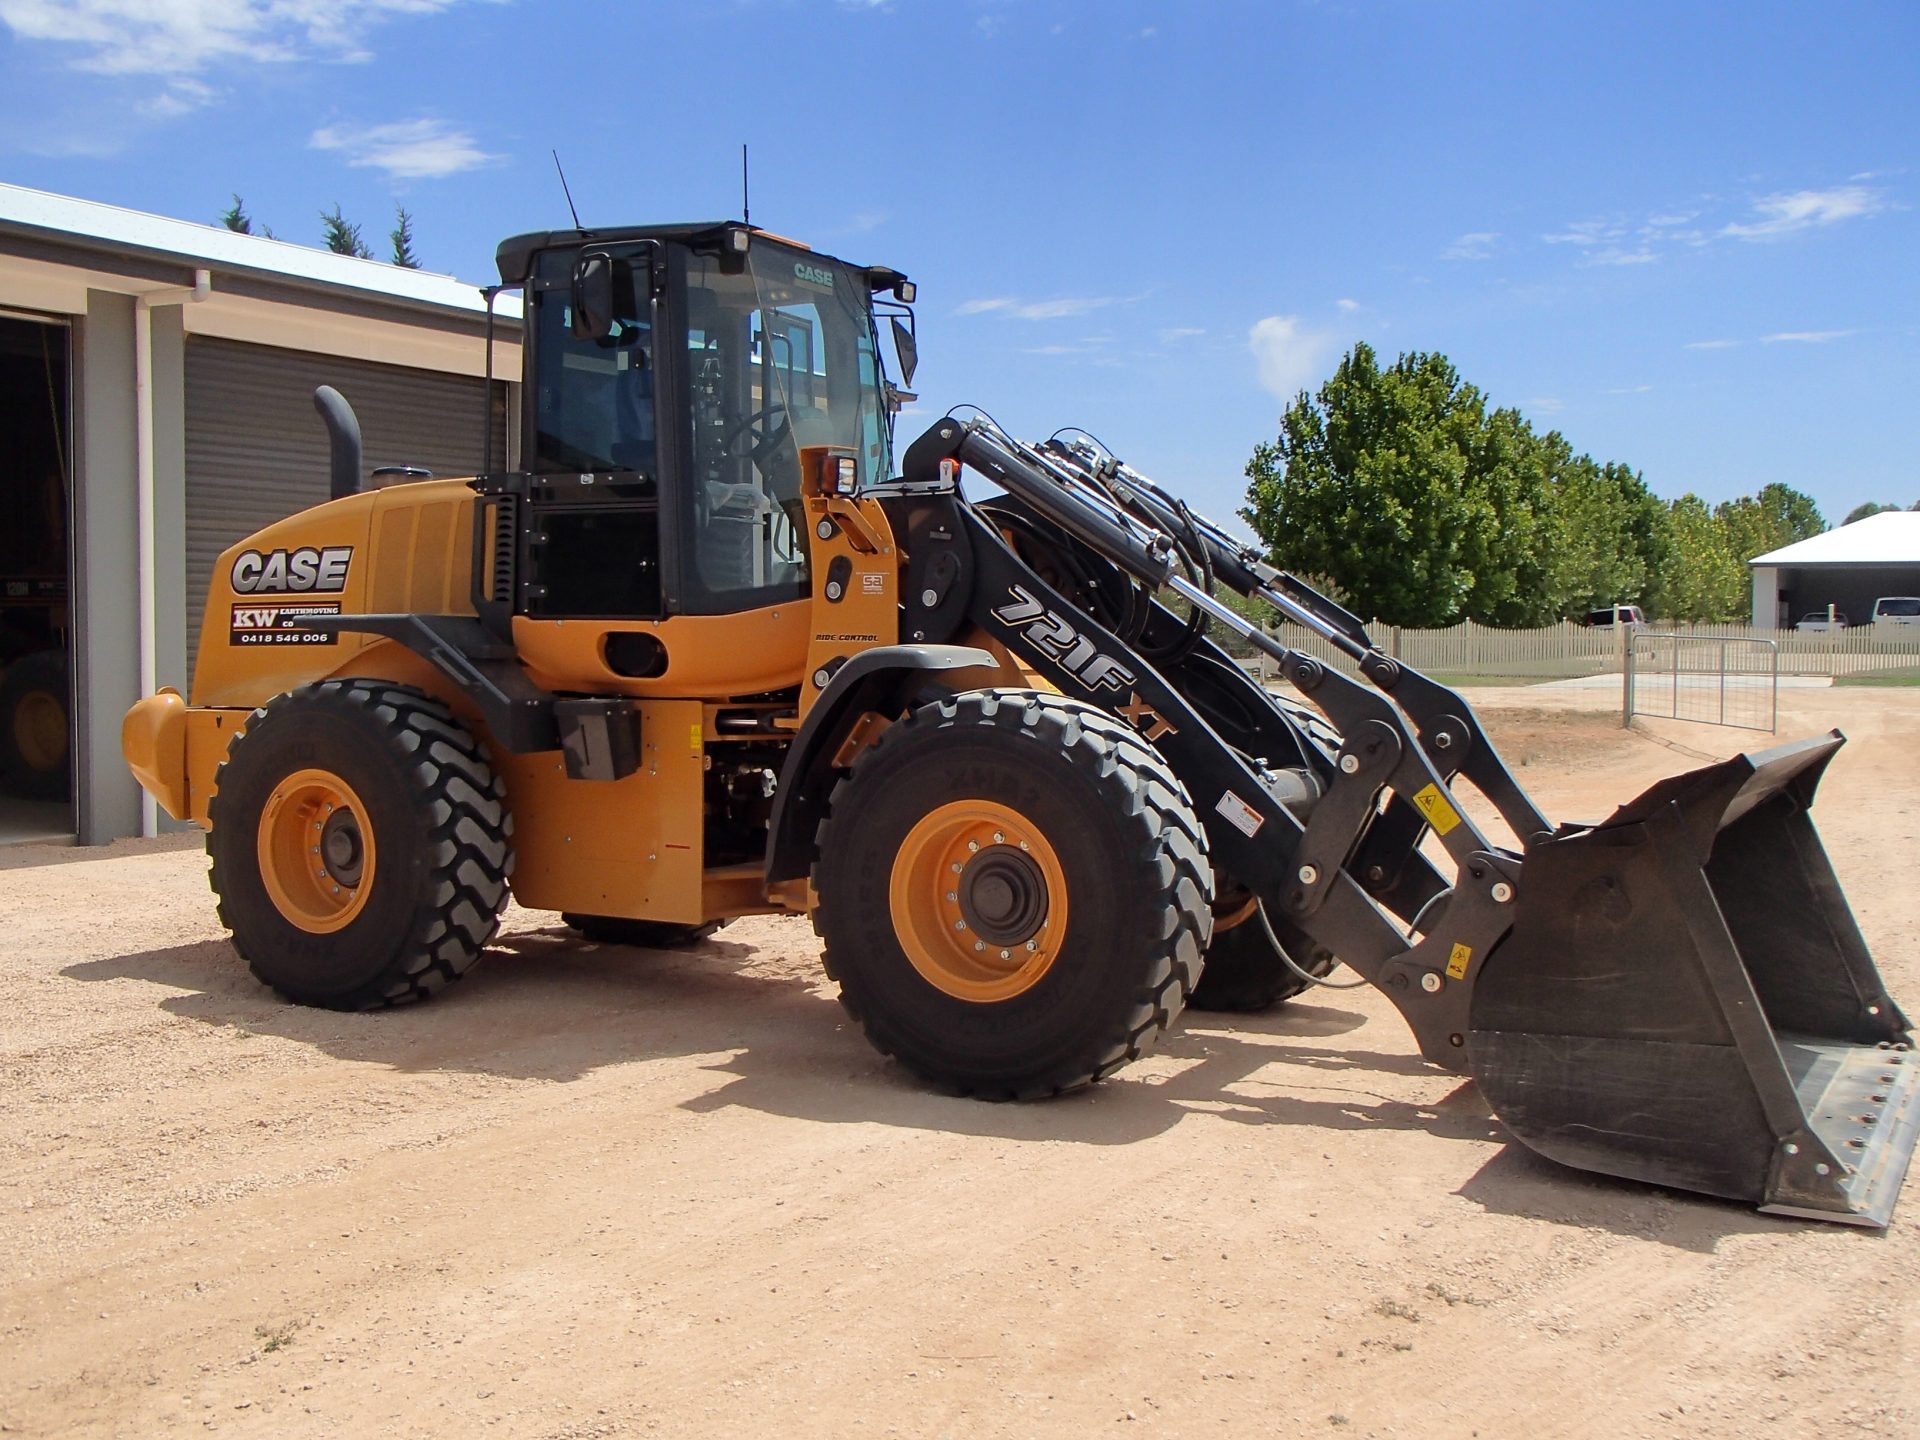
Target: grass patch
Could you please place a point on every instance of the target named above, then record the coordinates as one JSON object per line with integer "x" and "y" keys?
{"x": 1891, "y": 675}
{"x": 276, "y": 1337}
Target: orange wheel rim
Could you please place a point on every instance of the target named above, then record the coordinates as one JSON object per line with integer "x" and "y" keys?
{"x": 40, "y": 730}
{"x": 979, "y": 901}
{"x": 316, "y": 851}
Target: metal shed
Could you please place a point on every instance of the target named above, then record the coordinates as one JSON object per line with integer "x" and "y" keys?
{"x": 155, "y": 406}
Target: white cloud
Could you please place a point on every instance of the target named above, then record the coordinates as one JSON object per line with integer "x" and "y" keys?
{"x": 1180, "y": 332}
{"x": 406, "y": 149}
{"x": 1711, "y": 344}
{"x": 1785, "y": 214}
{"x": 1475, "y": 245}
{"x": 1804, "y": 337}
{"x": 185, "y": 37}
{"x": 1062, "y": 308}
{"x": 1288, "y": 357}
{"x": 1347, "y": 306}
{"x": 1615, "y": 255}
{"x": 1546, "y": 405}
{"x": 1628, "y": 390}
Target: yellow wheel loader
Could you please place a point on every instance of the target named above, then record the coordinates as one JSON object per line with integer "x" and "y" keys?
{"x": 709, "y": 652}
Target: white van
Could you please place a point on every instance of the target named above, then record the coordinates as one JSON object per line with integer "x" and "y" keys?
{"x": 1897, "y": 610}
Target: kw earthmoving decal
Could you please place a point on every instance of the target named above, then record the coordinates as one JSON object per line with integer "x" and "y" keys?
{"x": 281, "y": 624}
{"x": 280, "y": 572}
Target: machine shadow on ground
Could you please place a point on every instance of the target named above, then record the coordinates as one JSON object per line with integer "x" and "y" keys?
{"x": 545, "y": 1006}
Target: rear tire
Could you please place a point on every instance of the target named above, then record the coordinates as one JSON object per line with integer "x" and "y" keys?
{"x": 1014, "y": 893}
{"x": 360, "y": 845}
{"x": 1245, "y": 973}
{"x": 35, "y": 758}
{"x": 647, "y": 934}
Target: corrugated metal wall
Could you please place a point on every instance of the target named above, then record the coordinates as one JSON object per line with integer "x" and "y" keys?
{"x": 257, "y": 451}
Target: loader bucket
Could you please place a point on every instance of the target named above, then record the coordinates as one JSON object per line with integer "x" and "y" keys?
{"x": 1685, "y": 999}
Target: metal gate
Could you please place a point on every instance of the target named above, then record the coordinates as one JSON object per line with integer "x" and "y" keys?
{"x": 1714, "y": 680}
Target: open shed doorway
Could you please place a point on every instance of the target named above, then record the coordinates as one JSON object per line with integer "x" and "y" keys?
{"x": 36, "y": 635}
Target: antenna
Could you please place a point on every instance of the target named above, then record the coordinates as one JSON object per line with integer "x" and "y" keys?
{"x": 746, "y": 211}
{"x": 567, "y": 192}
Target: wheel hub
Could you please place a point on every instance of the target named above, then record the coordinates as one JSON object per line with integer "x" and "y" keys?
{"x": 979, "y": 901}
{"x": 316, "y": 857}
{"x": 1003, "y": 895}
{"x": 340, "y": 848}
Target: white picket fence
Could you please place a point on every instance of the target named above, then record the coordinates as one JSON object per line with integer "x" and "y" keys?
{"x": 1567, "y": 650}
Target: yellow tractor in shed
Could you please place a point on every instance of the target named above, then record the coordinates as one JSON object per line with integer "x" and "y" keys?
{"x": 709, "y": 652}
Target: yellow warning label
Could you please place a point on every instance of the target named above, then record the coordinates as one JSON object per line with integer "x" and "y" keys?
{"x": 1457, "y": 962}
{"x": 693, "y": 737}
{"x": 1442, "y": 816}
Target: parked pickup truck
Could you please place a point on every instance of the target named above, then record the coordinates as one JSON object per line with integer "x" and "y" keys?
{"x": 1902, "y": 610}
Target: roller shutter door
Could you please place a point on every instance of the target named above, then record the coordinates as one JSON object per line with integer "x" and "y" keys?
{"x": 257, "y": 450}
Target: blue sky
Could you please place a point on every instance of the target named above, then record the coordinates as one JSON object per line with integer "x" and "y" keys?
{"x": 1684, "y": 235}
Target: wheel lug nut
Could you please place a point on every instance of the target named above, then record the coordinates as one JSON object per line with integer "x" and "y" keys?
{"x": 1006, "y": 954}
{"x": 998, "y": 838}
{"x": 959, "y": 924}
{"x": 979, "y": 945}
{"x": 956, "y": 867}
{"x": 951, "y": 895}
{"x": 1033, "y": 945}
{"x": 973, "y": 844}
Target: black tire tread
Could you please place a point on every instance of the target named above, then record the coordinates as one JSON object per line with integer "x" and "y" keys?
{"x": 1161, "y": 829}
{"x": 471, "y": 849}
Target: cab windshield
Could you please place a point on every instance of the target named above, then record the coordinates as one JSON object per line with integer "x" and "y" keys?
{"x": 781, "y": 358}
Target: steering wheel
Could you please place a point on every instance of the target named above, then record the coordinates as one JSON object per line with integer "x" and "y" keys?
{"x": 762, "y": 449}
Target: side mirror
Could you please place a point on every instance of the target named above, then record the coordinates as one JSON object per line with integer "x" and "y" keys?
{"x": 593, "y": 296}
{"x": 908, "y": 349}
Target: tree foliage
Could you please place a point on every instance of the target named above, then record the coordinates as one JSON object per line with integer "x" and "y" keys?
{"x": 1420, "y": 505}
{"x": 1866, "y": 508}
{"x": 236, "y": 219}
{"x": 341, "y": 235}
{"x": 402, "y": 237}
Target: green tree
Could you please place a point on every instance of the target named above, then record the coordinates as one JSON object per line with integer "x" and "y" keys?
{"x": 341, "y": 235}
{"x": 1779, "y": 515}
{"x": 1702, "y": 577}
{"x": 236, "y": 219}
{"x": 1614, "y": 535}
{"x": 402, "y": 237}
{"x": 1866, "y": 508}
{"x": 1372, "y": 486}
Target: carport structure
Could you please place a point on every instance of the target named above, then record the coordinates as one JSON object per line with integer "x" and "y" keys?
{"x": 155, "y": 406}
{"x": 1848, "y": 568}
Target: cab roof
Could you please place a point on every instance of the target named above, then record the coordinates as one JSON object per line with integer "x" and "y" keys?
{"x": 515, "y": 255}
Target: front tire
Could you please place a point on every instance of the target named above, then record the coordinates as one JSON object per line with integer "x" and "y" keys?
{"x": 1014, "y": 893}
{"x": 1245, "y": 974}
{"x": 360, "y": 845}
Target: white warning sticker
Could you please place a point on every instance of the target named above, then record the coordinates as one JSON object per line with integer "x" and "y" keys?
{"x": 1243, "y": 816}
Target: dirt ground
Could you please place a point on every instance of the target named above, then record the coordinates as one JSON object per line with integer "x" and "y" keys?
{"x": 609, "y": 1192}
